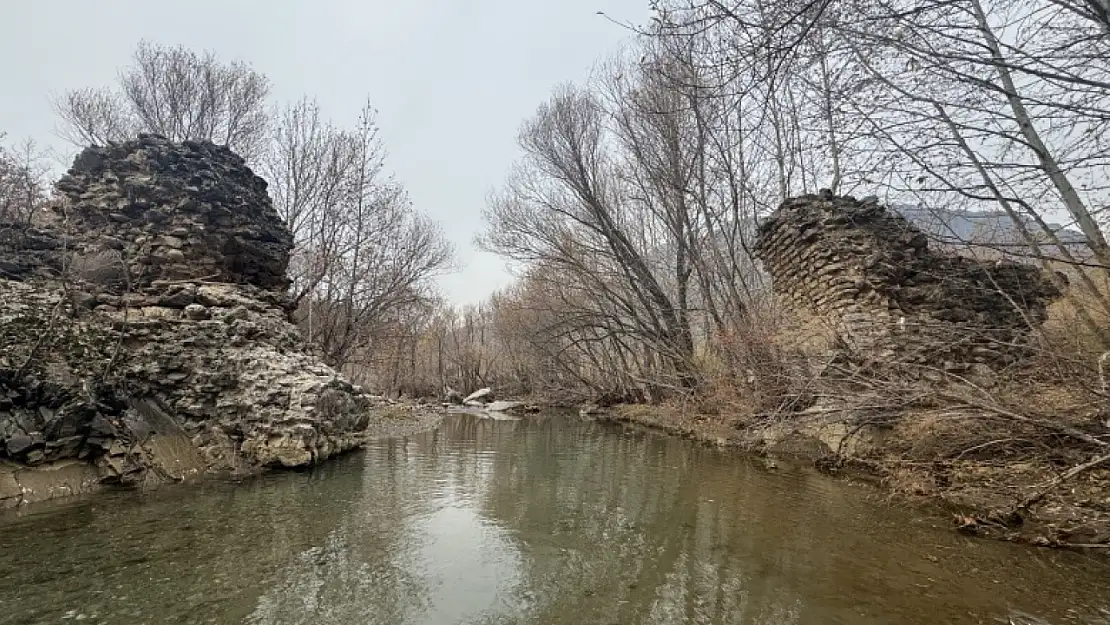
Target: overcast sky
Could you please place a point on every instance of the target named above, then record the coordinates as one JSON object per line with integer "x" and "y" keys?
{"x": 452, "y": 79}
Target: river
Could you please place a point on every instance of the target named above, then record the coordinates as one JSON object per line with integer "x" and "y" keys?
{"x": 549, "y": 520}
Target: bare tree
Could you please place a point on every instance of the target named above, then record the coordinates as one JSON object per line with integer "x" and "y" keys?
{"x": 363, "y": 255}
{"x": 95, "y": 117}
{"x": 1025, "y": 82}
{"x": 564, "y": 208}
{"x": 177, "y": 93}
{"x": 22, "y": 182}
{"x": 633, "y": 207}
{"x": 308, "y": 165}
{"x": 362, "y": 252}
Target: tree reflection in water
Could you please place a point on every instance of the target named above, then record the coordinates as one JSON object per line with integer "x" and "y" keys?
{"x": 555, "y": 521}
{"x": 546, "y": 521}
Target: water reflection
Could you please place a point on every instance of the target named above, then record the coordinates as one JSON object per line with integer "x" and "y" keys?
{"x": 543, "y": 521}
{"x": 188, "y": 555}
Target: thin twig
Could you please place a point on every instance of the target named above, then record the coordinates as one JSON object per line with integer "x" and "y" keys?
{"x": 46, "y": 333}
{"x": 200, "y": 280}
{"x": 1042, "y": 423}
{"x": 1101, "y": 368}
{"x": 1074, "y": 471}
{"x": 984, "y": 445}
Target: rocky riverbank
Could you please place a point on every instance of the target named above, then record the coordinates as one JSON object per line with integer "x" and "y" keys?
{"x": 146, "y": 337}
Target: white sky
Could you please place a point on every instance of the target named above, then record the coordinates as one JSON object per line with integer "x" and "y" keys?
{"x": 452, "y": 79}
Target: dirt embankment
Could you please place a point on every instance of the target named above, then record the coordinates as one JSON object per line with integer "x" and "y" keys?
{"x": 998, "y": 490}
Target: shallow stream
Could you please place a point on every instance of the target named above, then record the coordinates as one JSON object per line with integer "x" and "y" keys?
{"x": 548, "y": 520}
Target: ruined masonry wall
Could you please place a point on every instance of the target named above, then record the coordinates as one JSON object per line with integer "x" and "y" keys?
{"x": 146, "y": 336}
{"x": 177, "y": 211}
{"x": 889, "y": 298}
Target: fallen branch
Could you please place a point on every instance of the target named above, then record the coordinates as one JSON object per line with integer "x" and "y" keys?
{"x": 856, "y": 430}
{"x": 985, "y": 445}
{"x": 1067, "y": 475}
{"x": 1020, "y": 418}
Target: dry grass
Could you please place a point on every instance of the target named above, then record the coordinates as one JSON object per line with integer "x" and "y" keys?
{"x": 993, "y": 450}
{"x": 762, "y": 366}
{"x": 980, "y": 448}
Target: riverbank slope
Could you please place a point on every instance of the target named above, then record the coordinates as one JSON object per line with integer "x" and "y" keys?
{"x": 1022, "y": 498}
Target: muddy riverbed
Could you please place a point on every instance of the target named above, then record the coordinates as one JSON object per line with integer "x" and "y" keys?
{"x": 546, "y": 520}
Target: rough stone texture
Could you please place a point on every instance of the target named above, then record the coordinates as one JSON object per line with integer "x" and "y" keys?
{"x": 889, "y": 298}
{"x": 184, "y": 363}
{"x": 26, "y": 252}
{"x": 176, "y": 211}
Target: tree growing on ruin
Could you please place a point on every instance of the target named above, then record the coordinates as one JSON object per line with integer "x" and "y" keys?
{"x": 177, "y": 93}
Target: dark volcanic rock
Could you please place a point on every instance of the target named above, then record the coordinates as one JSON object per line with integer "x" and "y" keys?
{"x": 27, "y": 252}
{"x": 18, "y": 445}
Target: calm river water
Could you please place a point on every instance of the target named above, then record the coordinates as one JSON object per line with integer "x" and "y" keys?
{"x": 542, "y": 521}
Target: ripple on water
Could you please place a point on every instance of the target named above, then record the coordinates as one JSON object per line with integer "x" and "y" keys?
{"x": 541, "y": 521}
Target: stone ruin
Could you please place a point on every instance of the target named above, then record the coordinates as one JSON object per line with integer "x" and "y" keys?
{"x": 176, "y": 211}
{"x": 889, "y": 298}
{"x": 146, "y": 336}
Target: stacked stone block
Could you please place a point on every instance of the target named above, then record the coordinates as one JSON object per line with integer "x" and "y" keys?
{"x": 890, "y": 298}
{"x": 176, "y": 211}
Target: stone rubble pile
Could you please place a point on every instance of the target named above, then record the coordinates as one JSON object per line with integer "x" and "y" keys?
{"x": 148, "y": 336}
{"x": 889, "y": 298}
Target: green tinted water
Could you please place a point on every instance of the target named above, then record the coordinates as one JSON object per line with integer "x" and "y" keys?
{"x": 544, "y": 521}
